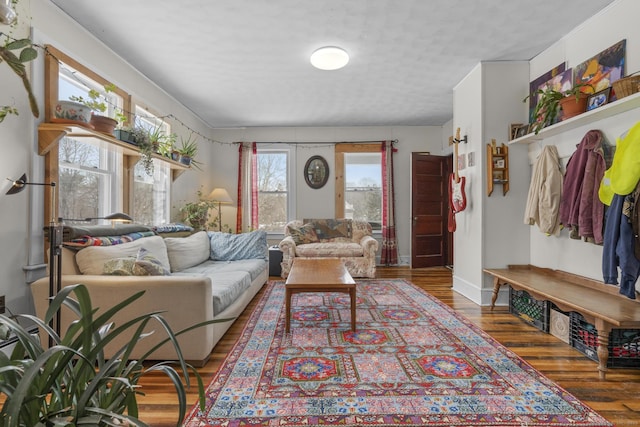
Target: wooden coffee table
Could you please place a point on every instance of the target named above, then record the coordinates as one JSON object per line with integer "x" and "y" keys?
{"x": 319, "y": 275}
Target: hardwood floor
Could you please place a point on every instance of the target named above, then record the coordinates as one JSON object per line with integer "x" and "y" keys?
{"x": 617, "y": 398}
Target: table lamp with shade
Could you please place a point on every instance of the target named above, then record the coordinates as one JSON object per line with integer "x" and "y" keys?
{"x": 220, "y": 196}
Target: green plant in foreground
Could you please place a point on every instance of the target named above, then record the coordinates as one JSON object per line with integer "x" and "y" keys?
{"x": 72, "y": 383}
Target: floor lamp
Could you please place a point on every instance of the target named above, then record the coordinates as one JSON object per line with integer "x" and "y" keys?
{"x": 55, "y": 245}
{"x": 220, "y": 195}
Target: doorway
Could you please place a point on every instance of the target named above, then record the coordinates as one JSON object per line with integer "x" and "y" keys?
{"x": 431, "y": 241}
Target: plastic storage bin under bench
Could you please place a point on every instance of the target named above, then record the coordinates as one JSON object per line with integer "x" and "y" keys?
{"x": 624, "y": 344}
{"x": 529, "y": 309}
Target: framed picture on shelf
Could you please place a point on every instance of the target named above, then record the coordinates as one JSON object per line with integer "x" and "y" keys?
{"x": 513, "y": 130}
{"x": 602, "y": 69}
{"x": 598, "y": 99}
{"x": 522, "y": 130}
{"x": 499, "y": 163}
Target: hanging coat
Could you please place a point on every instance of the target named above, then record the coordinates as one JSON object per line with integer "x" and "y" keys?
{"x": 581, "y": 210}
{"x": 545, "y": 191}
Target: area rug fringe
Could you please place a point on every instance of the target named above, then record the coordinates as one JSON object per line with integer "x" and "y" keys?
{"x": 413, "y": 361}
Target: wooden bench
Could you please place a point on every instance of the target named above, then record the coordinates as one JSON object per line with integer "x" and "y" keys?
{"x": 600, "y": 304}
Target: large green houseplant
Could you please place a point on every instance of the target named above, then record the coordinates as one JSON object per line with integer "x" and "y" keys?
{"x": 72, "y": 383}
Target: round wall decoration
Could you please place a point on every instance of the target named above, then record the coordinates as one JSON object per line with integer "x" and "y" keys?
{"x": 316, "y": 172}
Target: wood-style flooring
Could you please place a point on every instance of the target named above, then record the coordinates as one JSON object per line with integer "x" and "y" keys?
{"x": 617, "y": 398}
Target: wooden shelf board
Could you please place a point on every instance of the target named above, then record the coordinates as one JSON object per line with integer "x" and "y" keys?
{"x": 607, "y": 110}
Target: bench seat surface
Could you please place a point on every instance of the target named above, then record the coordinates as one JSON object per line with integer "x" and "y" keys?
{"x": 617, "y": 310}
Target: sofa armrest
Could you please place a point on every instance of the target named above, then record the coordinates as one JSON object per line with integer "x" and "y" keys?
{"x": 183, "y": 300}
{"x": 288, "y": 247}
{"x": 369, "y": 246}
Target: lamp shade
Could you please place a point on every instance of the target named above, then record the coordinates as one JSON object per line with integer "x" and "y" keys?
{"x": 220, "y": 195}
{"x": 118, "y": 216}
{"x": 329, "y": 58}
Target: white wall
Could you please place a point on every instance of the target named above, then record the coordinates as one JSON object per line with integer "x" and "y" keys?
{"x": 620, "y": 22}
{"x": 21, "y": 215}
{"x": 320, "y": 203}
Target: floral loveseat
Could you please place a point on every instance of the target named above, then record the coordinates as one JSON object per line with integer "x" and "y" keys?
{"x": 347, "y": 239}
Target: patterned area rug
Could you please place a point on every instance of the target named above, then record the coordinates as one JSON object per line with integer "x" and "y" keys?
{"x": 412, "y": 362}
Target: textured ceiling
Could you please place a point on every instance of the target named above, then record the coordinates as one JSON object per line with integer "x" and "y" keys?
{"x": 238, "y": 63}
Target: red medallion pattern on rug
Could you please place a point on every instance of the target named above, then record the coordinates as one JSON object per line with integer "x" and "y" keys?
{"x": 411, "y": 362}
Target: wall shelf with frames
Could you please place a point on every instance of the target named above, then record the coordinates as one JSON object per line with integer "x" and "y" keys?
{"x": 608, "y": 110}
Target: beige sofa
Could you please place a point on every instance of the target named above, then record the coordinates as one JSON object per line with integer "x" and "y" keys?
{"x": 349, "y": 240}
{"x": 203, "y": 284}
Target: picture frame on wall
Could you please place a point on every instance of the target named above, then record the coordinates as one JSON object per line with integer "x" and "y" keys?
{"x": 598, "y": 99}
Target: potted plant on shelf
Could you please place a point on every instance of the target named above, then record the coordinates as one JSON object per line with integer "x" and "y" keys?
{"x": 551, "y": 102}
{"x": 188, "y": 150}
{"x": 97, "y": 103}
{"x": 72, "y": 382}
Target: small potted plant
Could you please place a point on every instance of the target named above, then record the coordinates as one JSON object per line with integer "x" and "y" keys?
{"x": 552, "y": 101}
{"x": 97, "y": 103}
{"x": 196, "y": 213}
{"x": 188, "y": 150}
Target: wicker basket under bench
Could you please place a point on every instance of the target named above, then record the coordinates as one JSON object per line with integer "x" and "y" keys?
{"x": 599, "y": 304}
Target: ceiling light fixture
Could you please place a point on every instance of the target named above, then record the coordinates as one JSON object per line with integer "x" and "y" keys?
{"x": 329, "y": 58}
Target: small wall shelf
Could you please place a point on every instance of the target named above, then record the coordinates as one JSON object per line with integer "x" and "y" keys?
{"x": 497, "y": 167}
{"x": 608, "y": 110}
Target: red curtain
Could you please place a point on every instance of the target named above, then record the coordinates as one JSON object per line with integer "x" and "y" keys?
{"x": 247, "y": 214}
{"x": 389, "y": 254}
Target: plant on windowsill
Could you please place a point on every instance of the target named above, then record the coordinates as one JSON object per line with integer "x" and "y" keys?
{"x": 97, "y": 103}
{"x": 72, "y": 382}
{"x": 549, "y": 103}
{"x": 139, "y": 137}
{"x": 188, "y": 149}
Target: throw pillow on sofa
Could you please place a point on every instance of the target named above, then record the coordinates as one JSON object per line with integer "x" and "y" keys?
{"x": 185, "y": 252}
{"x": 330, "y": 228}
{"x": 230, "y": 247}
{"x": 91, "y": 260}
{"x": 144, "y": 264}
{"x": 304, "y": 234}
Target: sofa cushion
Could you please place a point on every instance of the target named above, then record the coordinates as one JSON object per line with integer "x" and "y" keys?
{"x": 327, "y": 229}
{"x": 303, "y": 234}
{"x": 185, "y": 252}
{"x": 229, "y": 247}
{"x": 121, "y": 267}
{"x": 329, "y": 249}
{"x": 91, "y": 260}
{"x": 226, "y": 285}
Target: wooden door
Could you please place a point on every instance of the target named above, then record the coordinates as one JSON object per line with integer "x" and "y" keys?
{"x": 431, "y": 242}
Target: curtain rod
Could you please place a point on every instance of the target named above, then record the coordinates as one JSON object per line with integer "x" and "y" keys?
{"x": 319, "y": 142}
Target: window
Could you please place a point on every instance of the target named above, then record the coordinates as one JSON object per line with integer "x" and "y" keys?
{"x": 151, "y": 193}
{"x": 359, "y": 187}
{"x": 273, "y": 189}
{"x": 88, "y": 175}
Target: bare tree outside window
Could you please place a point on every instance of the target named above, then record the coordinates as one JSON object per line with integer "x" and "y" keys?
{"x": 80, "y": 180}
{"x": 363, "y": 188}
{"x": 272, "y": 190}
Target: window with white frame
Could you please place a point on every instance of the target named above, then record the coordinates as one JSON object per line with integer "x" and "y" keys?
{"x": 151, "y": 196}
{"x": 274, "y": 187}
{"x": 88, "y": 179}
{"x": 363, "y": 187}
